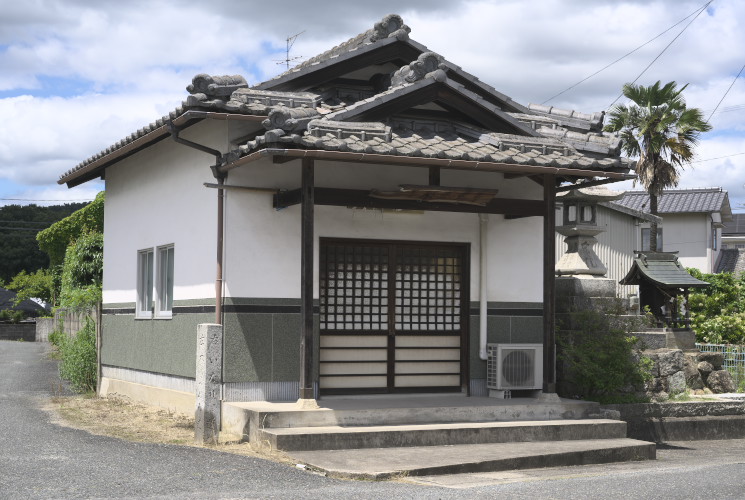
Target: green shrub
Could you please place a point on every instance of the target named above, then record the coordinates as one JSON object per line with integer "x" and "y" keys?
{"x": 78, "y": 365}
{"x": 56, "y": 338}
{"x": 602, "y": 361}
{"x": 10, "y": 316}
{"x": 718, "y": 311}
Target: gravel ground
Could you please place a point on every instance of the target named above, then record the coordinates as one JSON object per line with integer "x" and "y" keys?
{"x": 40, "y": 459}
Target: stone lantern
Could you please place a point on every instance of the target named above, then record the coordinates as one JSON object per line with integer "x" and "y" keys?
{"x": 579, "y": 226}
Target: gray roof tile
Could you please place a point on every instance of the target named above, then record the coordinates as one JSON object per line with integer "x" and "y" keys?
{"x": 731, "y": 260}
{"x": 703, "y": 200}
{"x": 734, "y": 227}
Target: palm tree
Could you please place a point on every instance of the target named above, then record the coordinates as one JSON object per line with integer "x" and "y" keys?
{"x": 661, "y": 132}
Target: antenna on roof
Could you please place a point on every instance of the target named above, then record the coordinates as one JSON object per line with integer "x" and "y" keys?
{"x": 290, "y": 42}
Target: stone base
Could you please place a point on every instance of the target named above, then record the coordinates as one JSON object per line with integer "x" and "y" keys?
{"x": 585, "y": 286}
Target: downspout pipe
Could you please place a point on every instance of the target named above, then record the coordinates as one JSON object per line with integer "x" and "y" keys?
{"x": 220, "y": 176}
{"x": 483, "y": 257}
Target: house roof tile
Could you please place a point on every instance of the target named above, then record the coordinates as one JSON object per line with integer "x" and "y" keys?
{"x": 326, "y": 118}
{"x": 702, "y": 200}
{"x": 731, "y": 260}
{"x": 734, "y": 227}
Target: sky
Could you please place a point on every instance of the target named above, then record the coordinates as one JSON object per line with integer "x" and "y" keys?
{"x": 77, "y": 76}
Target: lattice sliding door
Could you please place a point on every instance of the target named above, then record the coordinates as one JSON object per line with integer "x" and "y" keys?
{"x": 392, "y": 316}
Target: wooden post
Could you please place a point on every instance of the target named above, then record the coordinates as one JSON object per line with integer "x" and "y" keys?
{"x": 306, "y": 283}
{"x": 549, "y": 284}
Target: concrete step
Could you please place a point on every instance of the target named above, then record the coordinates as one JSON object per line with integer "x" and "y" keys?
{"x": 390, "y": 436}
{"x": 244, "y": 420}
{"x": 386, "y": 463}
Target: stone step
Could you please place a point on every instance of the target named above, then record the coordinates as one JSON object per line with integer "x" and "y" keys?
{"x": 394, "y": 436}
{"x": 386, "y": 463}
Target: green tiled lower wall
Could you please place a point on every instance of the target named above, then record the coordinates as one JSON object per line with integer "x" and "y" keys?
{"x": 507, "y": 323}
{"x": 163, "y": 346}
{"x": 262, "y": 338}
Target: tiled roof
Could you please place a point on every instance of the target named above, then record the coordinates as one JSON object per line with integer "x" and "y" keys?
{"x": 328, "y": 118}
{"x": 662, "y": 269}
{"x": 678, "y": 201}
{"x": 734, "y": 227}
{"x": 731, "y": 260}
{"x": 434, "y": 141}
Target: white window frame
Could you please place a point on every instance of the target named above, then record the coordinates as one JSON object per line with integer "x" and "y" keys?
{"x": 163, "y": 296}
{"x": 145, "y": 298}
{"x": 155, "y": 276}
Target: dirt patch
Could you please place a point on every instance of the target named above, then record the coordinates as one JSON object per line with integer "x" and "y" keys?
{"x": 122, "y": 418}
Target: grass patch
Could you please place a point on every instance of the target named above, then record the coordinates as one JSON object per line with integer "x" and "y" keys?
{"x": 119, "y": 417}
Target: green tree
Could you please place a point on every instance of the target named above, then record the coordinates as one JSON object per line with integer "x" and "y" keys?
{"x": 18, "y": 228}
{"x": 55, "y": 239}
{"x": 82, "y": 272}
{"x": 38, "y": 285}
{"x": 659, "y": 130}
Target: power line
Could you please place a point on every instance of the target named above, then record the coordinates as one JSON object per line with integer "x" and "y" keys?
{"x": 19, "y": 229}
{"x": 665, "y": 49}
{"x": 620, "y": 58}
{"x": 719, "y": 157}
{"x": 727, "y": 92}
{"x": 31, "y": 222}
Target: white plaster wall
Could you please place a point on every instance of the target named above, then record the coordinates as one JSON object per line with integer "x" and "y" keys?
{"x": 690, "y": 236}
{"x": 262, "y": 245}
{"x": 156, "y": 197}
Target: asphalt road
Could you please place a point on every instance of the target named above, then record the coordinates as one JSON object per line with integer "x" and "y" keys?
{"x": 39, "y": 459}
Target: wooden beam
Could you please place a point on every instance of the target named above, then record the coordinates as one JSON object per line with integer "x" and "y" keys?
{"x": 360, "y": 198}
{"x": 306, "y": 283}
{"x": 549, "y": 284}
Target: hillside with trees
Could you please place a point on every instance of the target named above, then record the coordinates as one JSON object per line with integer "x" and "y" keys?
{"x": 19, "y": 250}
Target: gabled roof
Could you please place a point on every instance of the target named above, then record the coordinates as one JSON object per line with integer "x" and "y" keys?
{"x": 680, "y": 201}
{"x": 735, "y": 227}
{"x": 428, "y": 108}
{"x": 661, "y": 269}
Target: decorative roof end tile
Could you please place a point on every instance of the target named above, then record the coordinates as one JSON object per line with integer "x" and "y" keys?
{"x": 216, "y": 86}
{"x": 427, "y": 63}
{"x": 389, "y": 27}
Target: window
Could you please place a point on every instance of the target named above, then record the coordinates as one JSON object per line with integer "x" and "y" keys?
{"x": 713, "y": 238}
{"x": 155, "y": 282}
{"x": 645, "y": 239}
{"x": 164, "y": 288}
{"x": 144, "y": 284}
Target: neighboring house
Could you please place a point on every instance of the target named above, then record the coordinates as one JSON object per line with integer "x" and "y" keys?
{"x": 732, "y": 255}
{"x": 616, "y": 245}
{"x": 356, "y": 206}
{"x": 29, "y": 307}
{"x": 692, "y": 222}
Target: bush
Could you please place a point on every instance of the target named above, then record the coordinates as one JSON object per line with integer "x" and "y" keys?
{"x": 9, "y": 316}
{"x": 602, "y": 360}
{"x": 78, "y": 365}
{"x": 718, "y": 311}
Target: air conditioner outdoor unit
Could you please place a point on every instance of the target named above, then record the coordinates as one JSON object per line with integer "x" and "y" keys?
{"x": 514, "y": 367}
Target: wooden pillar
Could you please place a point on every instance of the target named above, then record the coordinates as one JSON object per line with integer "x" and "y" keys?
{"x": 549, "y": 284}
{"x": 306, "y": 282}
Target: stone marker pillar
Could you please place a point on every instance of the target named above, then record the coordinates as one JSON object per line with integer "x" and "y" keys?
{"x": 208, "y": 383}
